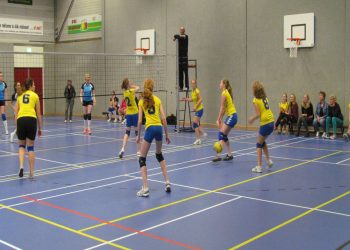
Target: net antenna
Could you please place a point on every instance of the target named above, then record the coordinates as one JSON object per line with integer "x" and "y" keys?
{"x": 294, "y": 45}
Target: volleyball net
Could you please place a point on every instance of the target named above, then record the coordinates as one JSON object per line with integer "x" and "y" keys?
{"x": 50, "y": 72}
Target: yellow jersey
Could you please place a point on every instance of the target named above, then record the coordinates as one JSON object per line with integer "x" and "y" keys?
{"x": 152, "y": 114}
{"x": 284, "y": 107}
{"x": 131, "y": 105}
{"x": 194, "y": 97}
{"x": 266, "y": 115}
{"x": 230, "y": 108}
{"x": 27, "y": 103}
{"x": 349, "y": 105}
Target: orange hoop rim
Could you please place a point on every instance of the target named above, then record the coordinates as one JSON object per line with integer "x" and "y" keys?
{"x": 142, "y": 49}
{"x": 296, "y": 40}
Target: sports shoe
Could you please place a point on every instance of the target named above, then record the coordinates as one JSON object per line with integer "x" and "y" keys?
{"x": 121, "y": 154}
{"x": 317, "y": 134}
{"x": 325, "y": 135}
{"x": 6, "y": 132}
{"x": 346, "y": 137}
{"x": 228, "y": 158}
{"x": 257, "y": 169}
{"x": 197, "y": 142}
{"x": 70, "y": 121}
{"x": 115, "y": 120}
{"x": 333, "y": 137}
{"x": 144, "y": 192}
{"x": 216, "y": 159}
{"x": 88, "y": 131}
{"x": 65, "y": 121}
{"x": 269, "y": 164}
{"x": 20, "y": 174}
{"x": 85, "y": 131}
{"x": 124, "y": 121}
{"x": 167, "y": 187}
{"x": 108, "y": 120}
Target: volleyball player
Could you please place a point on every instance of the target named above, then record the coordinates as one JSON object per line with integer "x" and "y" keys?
{"x": 197, "y": 100}
{"x": 28, "y": 116}
{"x": 87, "y": 98}
{"x": 226, "y": 106}
{"x": 131, "y": 113}
{"x": 263, "y": 111}
{"x": 151, "y": 106}
{"x": 17, "y": 92}
{"x": 3, "y": 98}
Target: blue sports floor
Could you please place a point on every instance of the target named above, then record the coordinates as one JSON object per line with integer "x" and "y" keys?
{"x": 84, "y": 197}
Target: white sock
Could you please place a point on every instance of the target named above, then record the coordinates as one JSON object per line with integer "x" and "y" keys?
{"x": 85, "y": 123}
{"x": 88, "y": 123}
{"x": 5, "y": 125}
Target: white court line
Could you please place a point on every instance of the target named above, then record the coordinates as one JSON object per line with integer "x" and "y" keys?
{"x": 252, "y": 198}
{"x": 340, "y": 162}
{"x": 165, "y": 223}
{"x": 10, "y": 245}
{"x": 126, "y": 175}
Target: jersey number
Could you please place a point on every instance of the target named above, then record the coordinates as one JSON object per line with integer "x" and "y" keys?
{"x": 151, "y": 111}
{"x": 266, "y": 104}
{"x": 26, "y": 99}
{"x": 127, "y": 100}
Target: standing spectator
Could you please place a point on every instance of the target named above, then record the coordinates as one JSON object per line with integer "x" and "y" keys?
{"x": 182, "y": 39}
{"x": 69, "y": 94}
{"x": 3, "y": 100}
{"x": 307, "y": 115}
{"x": 321, "y": 114}
{"x": 293, "y": 112}
{"x": 334, "y": 117}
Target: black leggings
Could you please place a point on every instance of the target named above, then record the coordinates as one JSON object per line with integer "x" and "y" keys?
{"x": 282, "y": 120}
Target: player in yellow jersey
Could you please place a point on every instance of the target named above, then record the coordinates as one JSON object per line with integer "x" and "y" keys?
{"x": 28, "y": 115}
{"x": 263, "y": 111}
{"x": 347, "y": 135}
{"x": 283, "y": 109}
{"x": 226, "y": 107}
{"x": 197, "y": 100}
{"x": 151, "y": 106}
{"x": 132, "y": 113}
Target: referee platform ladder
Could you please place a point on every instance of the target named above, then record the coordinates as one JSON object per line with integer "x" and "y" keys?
{"x": 184, "y": 107}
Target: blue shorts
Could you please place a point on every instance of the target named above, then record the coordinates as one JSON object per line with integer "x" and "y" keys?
{"x": 231, "y": 120}
{"x": 199, "y": 113}
{"x": 111, "y": 110}
{"x": 153, "y": 132}
{"x": 266, "y": 129}
{"x": 132, "y": 120}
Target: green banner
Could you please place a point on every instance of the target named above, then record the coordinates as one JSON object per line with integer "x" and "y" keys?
{"x": 84, "y": 24}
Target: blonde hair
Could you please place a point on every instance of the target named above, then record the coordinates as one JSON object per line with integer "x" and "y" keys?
{"x": 227, "y": 86}
{"x": 147, "y": 94}
{"x": 332, "y": 96}
{"x": 258, "y": 89}
{"x": 125, "y": 84}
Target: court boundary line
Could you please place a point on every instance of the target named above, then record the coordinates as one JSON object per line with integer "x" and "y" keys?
{"x": 209, "y": 192}
{"x": 9, "y": 245}
{"x": 119, "y": 226}
{"x": 287, "y": 222}
{"x": 55, "y": 224}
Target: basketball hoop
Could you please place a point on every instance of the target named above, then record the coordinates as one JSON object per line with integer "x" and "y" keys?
{"x": 143, "y": 50}
{"x": 294, "y": 45}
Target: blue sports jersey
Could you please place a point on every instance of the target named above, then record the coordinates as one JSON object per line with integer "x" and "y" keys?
{"x": 87, "y": 91}
{"x": 3, "y": 86}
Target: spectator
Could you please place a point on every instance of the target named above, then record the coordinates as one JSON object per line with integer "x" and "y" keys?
{"x": 307, "y": 115}
{"x": 282, "y": 119}
{"x": 334, "y": 117}
{"x": 293, "y": 113}
{"x": 69, "y": 94}
{"x": 321, "y": 114}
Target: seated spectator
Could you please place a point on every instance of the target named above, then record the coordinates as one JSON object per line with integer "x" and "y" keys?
{"x": 307, "y": 115}
{"x": 282, "y": 119}
{"x": 293, "y": 113}
{"x": 334, "y": 117}
{"x": 321, "y": 115}
{"x": 112, "y": 111}
{"x": 122, "y": 111}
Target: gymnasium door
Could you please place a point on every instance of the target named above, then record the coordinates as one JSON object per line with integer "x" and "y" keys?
{"x": 21, "y": 74}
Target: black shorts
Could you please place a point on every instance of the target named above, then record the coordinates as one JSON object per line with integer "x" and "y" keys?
{"x": 2, "y": 103}
{"x": 88, "y": 103}
{"x": 26, "y": 128}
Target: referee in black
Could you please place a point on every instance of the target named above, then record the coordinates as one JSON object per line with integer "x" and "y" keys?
{"x": 183, "y": 58}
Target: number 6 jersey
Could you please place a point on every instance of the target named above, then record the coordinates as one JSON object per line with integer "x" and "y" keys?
{"x": 26, "y": 103}
{"x": 266, "y": 115}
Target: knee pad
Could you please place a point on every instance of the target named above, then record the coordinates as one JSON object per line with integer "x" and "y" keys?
{"x": 222, "y": 137}
{"x": 22, "y": 146}
{"x": 89, "y": 116}
{"x": 3, "y": 116}
{"x": 136, "y": 133}
{"x": 85, "y": 117}
{"x": 258, "y": 145}
{"x": 142, "y": 162}
{"x": 127, "y": 132}
{"x": 160, "y": 157}
{"x": 195, "y": 125}
{"x": 30, "y": 148}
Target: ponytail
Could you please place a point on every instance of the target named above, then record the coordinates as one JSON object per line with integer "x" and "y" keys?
{"x": 147, "y": 94}
{"x": 28, "y": 84}
{"x": 228, "y": 86}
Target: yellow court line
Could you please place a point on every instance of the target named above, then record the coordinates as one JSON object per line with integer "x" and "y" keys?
{"x": 206, "y": 193}
{"x": 271, "y": 230}
{"x": 63, "y": 227}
